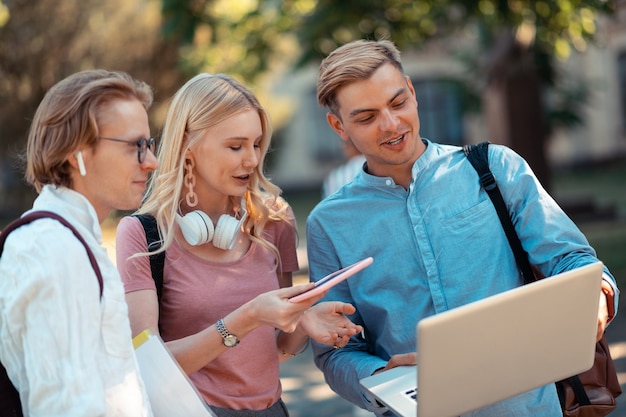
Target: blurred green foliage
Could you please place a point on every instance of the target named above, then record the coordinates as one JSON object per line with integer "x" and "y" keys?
{"x": 4, "y": 13}
{"x": 164, "y": 42}
{"x": 242, "y": 37}
{"x": 248, "y": 38}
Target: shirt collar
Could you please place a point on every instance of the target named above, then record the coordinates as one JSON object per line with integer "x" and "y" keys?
{"x": 72, "y": 206}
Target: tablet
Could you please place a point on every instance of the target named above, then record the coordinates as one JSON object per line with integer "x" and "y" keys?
{"x": 333, "y": 279}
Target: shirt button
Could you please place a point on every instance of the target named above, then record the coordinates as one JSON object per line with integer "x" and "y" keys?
{"x": 389, "y": 182}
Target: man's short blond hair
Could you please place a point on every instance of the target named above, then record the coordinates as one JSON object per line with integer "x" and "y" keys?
{"x": 354, "y": 61}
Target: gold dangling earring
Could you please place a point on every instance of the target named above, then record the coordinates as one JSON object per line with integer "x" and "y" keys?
{"x": 190, "y": 181}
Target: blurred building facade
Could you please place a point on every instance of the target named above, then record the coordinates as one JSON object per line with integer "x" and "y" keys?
{"x": 309, "y": 149}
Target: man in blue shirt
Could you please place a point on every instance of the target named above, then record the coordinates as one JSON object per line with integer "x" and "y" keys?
{"x": 418, "y": 209}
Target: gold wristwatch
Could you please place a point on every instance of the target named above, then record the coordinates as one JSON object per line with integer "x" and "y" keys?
{"x": 230, "y": 340}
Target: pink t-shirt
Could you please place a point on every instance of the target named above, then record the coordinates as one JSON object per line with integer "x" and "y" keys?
{"x": 197, "y": 292}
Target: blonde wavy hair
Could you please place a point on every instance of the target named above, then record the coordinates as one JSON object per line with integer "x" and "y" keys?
{"x": 205, "y": 101}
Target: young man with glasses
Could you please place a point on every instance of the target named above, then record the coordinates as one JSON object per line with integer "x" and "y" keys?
{"x": 67, "y": 347}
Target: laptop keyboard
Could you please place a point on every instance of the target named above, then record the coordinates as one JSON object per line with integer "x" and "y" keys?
{"x": 412, "y": 394}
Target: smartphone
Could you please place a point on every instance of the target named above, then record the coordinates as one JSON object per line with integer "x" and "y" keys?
{"x": 333, "y": 279}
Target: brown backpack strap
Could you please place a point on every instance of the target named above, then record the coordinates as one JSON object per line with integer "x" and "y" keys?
{"x": 10, "y": 405}
{"x": 30, "y": 217}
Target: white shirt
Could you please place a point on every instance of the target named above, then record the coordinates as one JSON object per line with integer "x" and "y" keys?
{"x": 342, "y": 175}
{"x": 67, "y": 351}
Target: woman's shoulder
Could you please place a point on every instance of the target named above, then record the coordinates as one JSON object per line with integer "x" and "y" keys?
{"x": 128, "y": 225}
{"x": 130, "y": 236}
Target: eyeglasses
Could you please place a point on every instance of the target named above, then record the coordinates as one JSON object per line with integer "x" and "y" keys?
{"x": 143, "y": 144}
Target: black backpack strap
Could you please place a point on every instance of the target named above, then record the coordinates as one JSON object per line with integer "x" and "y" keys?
{"x": 478, "y": 155}
{"x": 153, "y": 241}
{"x": 10, "y": 405}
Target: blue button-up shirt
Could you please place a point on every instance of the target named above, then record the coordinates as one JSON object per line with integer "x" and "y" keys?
{"x": 436, "y": 246}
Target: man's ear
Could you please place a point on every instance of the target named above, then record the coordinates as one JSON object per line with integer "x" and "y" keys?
{"x": 336, "y": 125}
{"x": 409, "y": 84}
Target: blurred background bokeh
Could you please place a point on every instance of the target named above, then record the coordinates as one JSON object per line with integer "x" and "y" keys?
{"x": 546, "y": 77}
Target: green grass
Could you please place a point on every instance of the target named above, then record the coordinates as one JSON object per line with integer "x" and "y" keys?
{"x": 606, "y": 187}
{"x": 302, "y": 203}
{"x": 603, "y": 186}
{"x": 609, "y": 241}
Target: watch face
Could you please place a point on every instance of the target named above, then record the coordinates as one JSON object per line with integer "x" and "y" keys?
{"x": 230, "y": 341}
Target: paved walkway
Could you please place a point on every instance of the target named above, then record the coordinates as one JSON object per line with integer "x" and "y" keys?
{"x": 307, "y": 395}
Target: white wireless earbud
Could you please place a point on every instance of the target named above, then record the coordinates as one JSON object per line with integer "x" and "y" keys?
{"x": 197, "y": 228}
{"x": 81, "y": 164}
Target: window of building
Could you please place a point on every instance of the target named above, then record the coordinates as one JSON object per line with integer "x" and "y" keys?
{"x": 440, "y": 110}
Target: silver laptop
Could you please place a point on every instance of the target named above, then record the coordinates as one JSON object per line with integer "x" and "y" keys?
{"x": 498, "y": 347}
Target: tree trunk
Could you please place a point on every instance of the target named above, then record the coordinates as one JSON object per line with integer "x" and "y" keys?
{"x": 514, "y": 106}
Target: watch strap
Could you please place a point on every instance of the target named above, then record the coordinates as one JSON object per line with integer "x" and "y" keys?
{"x": 227, "y": 336}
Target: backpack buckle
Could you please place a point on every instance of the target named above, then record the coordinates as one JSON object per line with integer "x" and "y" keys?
{"x": 488, "y": 181}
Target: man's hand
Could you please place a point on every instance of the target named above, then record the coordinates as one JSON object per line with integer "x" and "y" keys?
{"x": 603, "y": 316}
{"x": 402, "y": 359}
{"x": 327, "y": 323}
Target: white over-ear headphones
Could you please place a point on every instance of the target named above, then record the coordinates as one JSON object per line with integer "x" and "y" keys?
{"x": 197, "y": 228}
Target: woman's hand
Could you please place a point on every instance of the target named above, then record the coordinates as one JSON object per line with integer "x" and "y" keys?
{"x": 273, "y": 308}
{"x": 326, "y": 323}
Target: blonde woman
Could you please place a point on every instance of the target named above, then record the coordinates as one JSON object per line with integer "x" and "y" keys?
{"x": 230, "y": 244}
